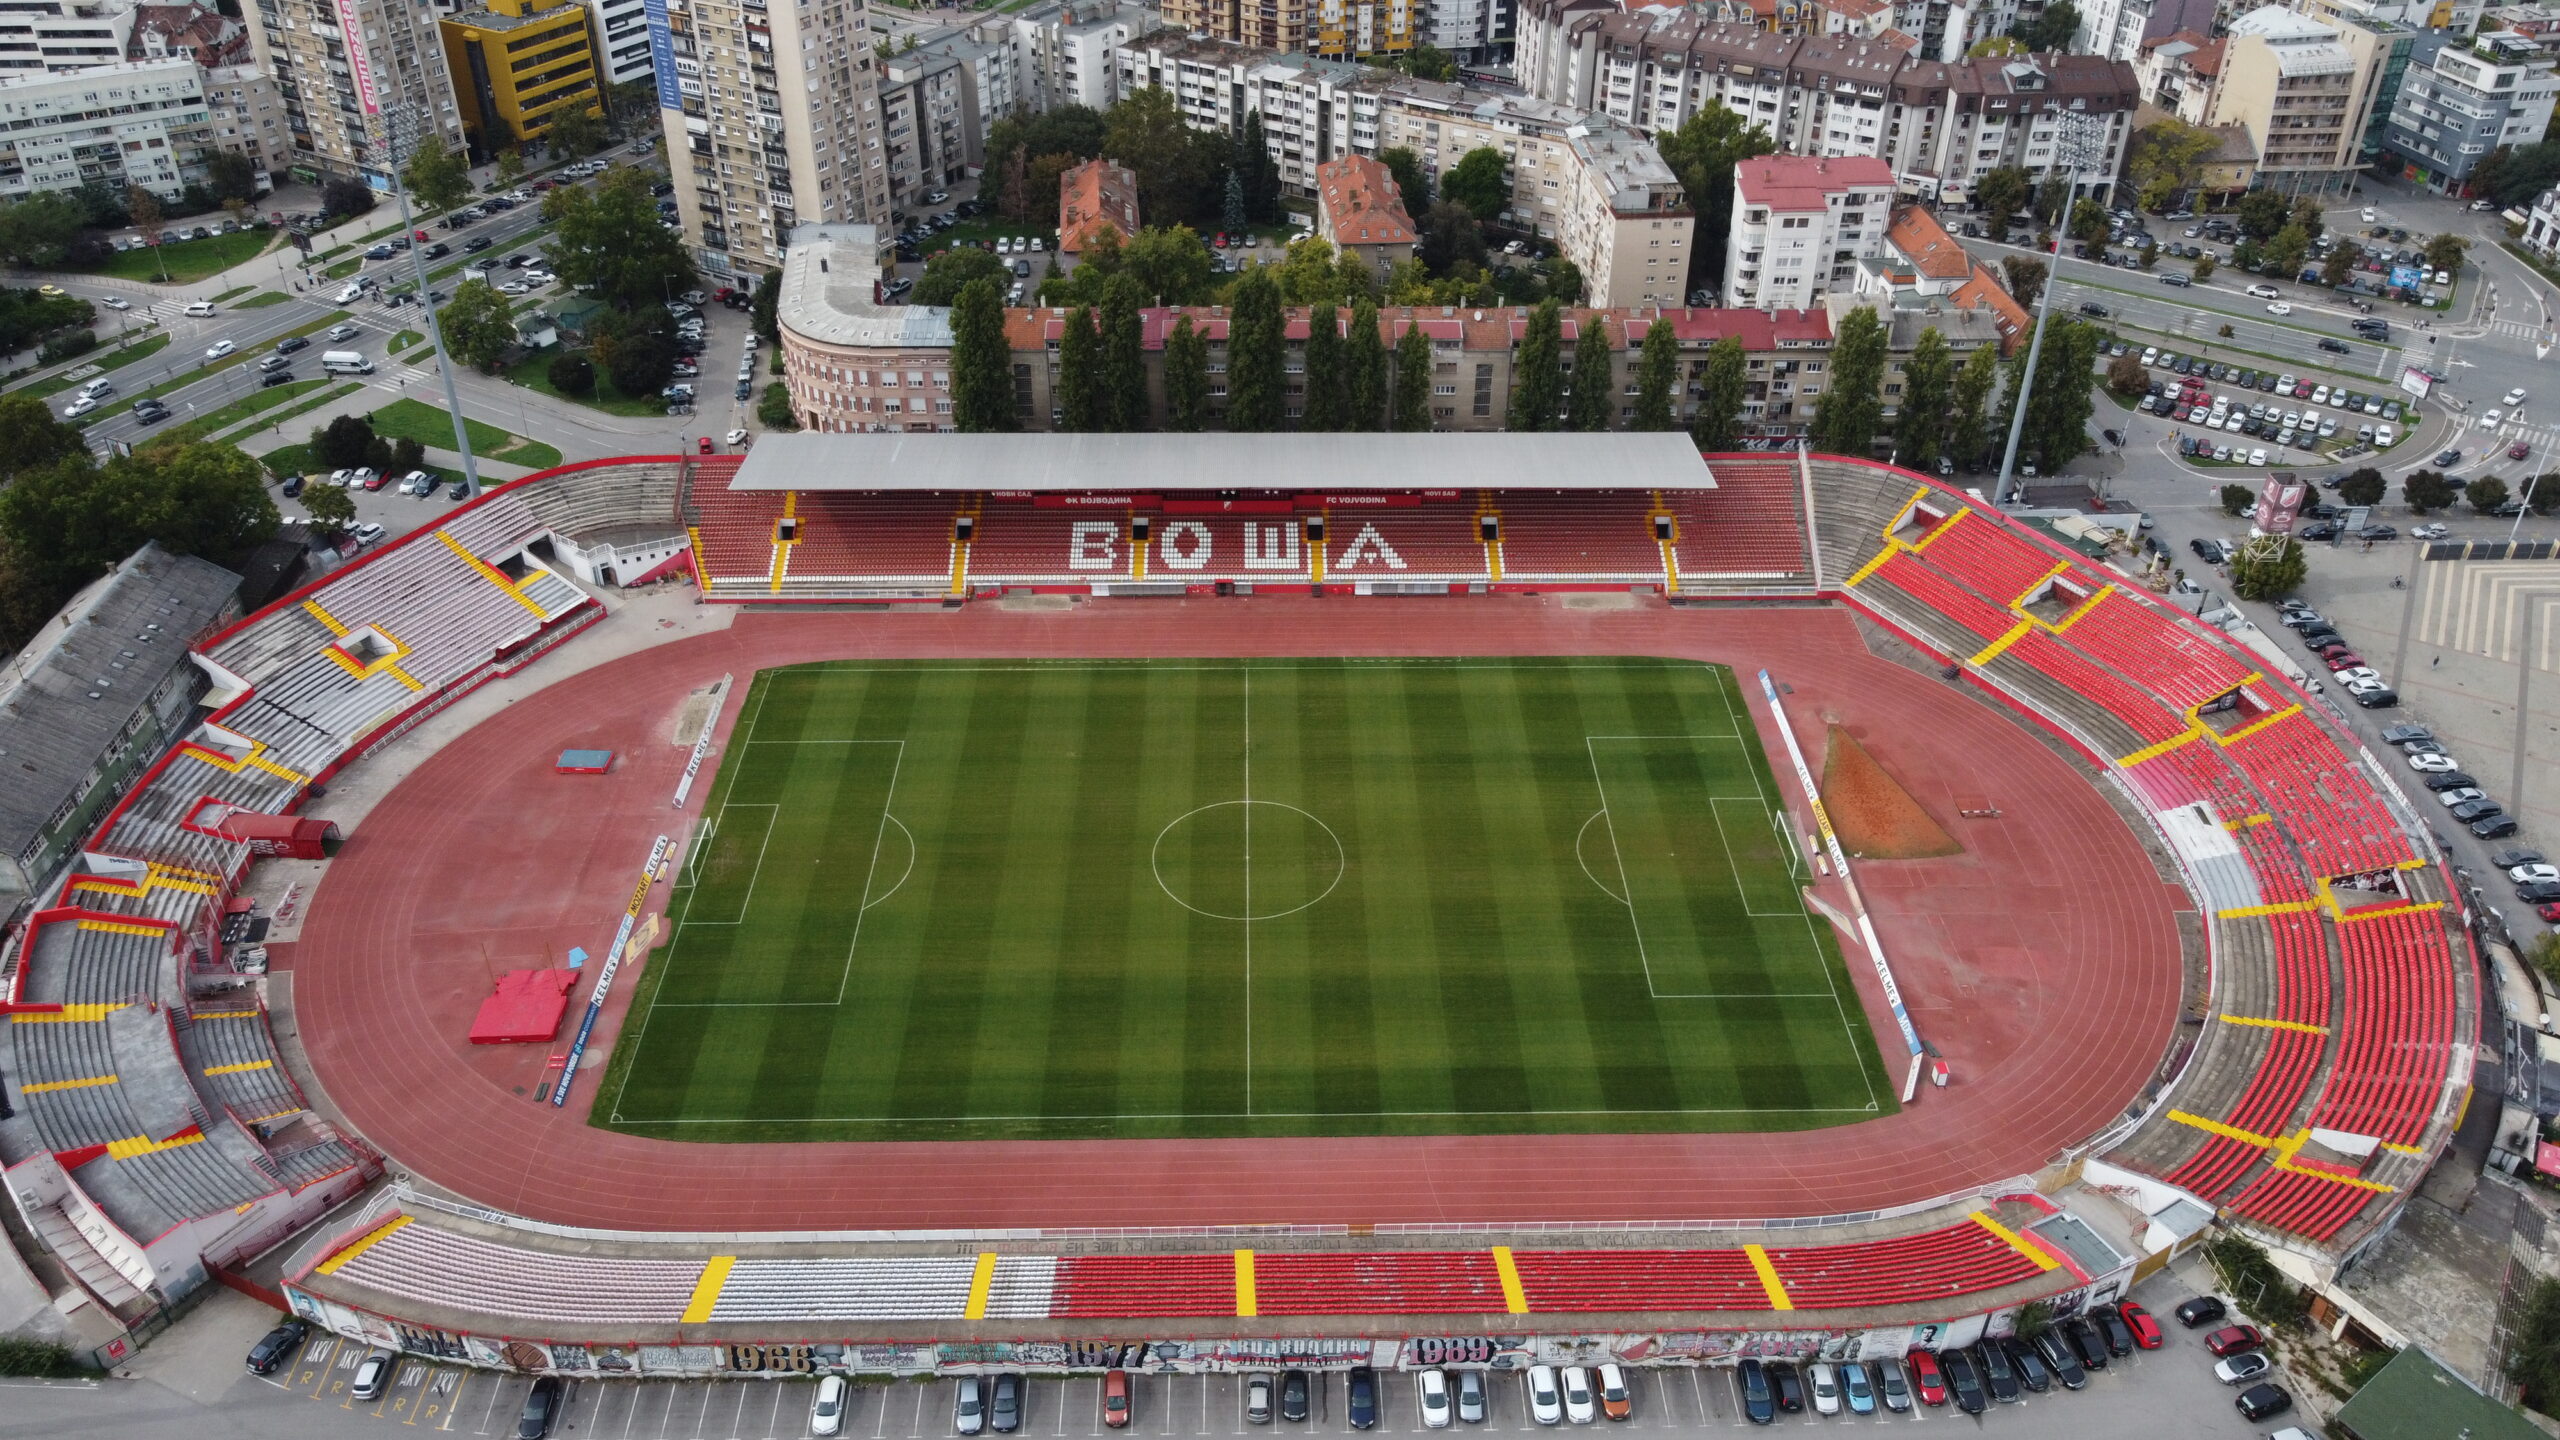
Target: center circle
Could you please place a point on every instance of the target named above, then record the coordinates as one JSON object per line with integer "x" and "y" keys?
{"x": 1247, "y": 860}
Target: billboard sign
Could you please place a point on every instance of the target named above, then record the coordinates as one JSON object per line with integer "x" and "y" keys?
{"x": 2405, "y": 276}
{"x": 359, "y": 59}
{"x": 2279, "y": 504}
{"x": 2417, "y": 382}
{"x": 662, "y": 54}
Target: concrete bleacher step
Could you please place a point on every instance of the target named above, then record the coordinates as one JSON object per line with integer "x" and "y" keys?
{"x": 61, "y": 1235}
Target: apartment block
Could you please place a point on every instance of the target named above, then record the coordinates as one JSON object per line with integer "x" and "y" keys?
{"x": 622, "y": 39}
{"x": 1626, "y": 221}
{"x": 131, "y": 123}
{"x": 1360, "y": 210}
{"x": 38, "y": 35}
{"x": 2461, "y": 98}
{"x": 356, "y": 77}
{"x": 753, "y": 155}
{"x": 1939, "y": 125}
{"x": 247, "y": 112}
{"x": 2542, "y": 225}
{"x": 2304, "y": 89}
{"x": 1801, "y": 227}
{"x": 517, "y": 64}
{"x": 2118, "y": 29}
{"x": 1336, "y": 28}
{"x": 2177, "y": 74}
{"x": 930, "y": 123}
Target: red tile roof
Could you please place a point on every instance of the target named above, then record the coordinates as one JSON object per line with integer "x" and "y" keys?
{"x": 1800, "y": 182}
{"x": 1095, "y": 196}
{"x": 1361, "y": 200}
{"x": 1920, "y": 239}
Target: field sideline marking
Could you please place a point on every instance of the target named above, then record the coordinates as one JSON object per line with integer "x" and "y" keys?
{"x": 1867, "y": 1109}
{"x": 879, "y": 837}
{"x": 773, "y": 817}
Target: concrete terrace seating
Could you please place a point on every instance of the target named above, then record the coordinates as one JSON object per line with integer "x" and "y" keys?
{"x": 308, "y": 1165}
{"x": 1635, "y": 1281}
{"x": 446, "y": 1268}
{"x": 1168, "y": 1285}
{"x": 2397, "y": 1030}
{"x": 1933, "y": 1265}
{"x": 88, "y": 960}
{"x": 917, "y": 1287}
{"x": 2320, "y": 796}
{"x": 1395, "y": 1282}
{"x": 2161, "y": 654}
{"x": 66, "y": 1074}
{"x": 1750, "y": 527}
{"x": 233, "y": 1060}
{"x": 1602, "y": 536}
{"x": 1948, "y": 616}
{"x": 1987, "y": 557}
{"x": 2307, "y": 1204}
{"x": 606, "y": 499}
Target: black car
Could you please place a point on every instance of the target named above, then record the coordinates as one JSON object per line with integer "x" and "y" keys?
{"x": 2088, "y": 307}
{"x": 458, "y": 490}
{"x": 663, "y": 187}
{"x": 1790, "y": 1388}
{"x": 2334, "y": 347}
{"x": 2511, "y": 858}
{"x": 2453, "y": 780}
{"x": 2319, "y": 530}
{"x": 1759, "y": 1398}
{"x": 2481, "y": 809}
{"x": 1004, "y": 1412}
{"x": 478, "y": 243}
{"x": 2496, "y": 827}
{"x": 541, "y": 1409}
{"x": 2382, "y": 699}
{"x": 2538, "y": 892}
{"x": 1364, "y": 1398}
{"x": 2114, "y": 1331}
{"x": 2085, "y": 1342}
{"x": 746, "y": 388}
{"x": 2057, "y": 1356}
{"x": 1993, "y": 1360}
{"x": 292, "y": 343}
{"x": 439, "y": 250}
{"x": 2260, "y": 1401}
{"x": 1963, "y": 1385}
{"x": 2030, "y": 1366}
{"x": 151, "y": 416}
{"x": 273, "y": 378}
{"x": 1293, "y": 1395}
{"x": 277, "y": 1346}
{"x": 292, "y": 486}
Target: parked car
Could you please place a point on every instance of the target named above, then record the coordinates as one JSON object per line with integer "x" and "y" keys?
{"x": 826, "y": 1409}
{"x": 1546, "y": 1402}
{"x": 2260, "y": 1401}
{"x": 1856, "y": 1390}
{"x": 2113, "y": 1330}
{"x": 2232, "y": 1339}
{"x": 1117, "y": 1403}
{"x": 1824, "y": 1383}
{"x": 2030, "y": 1367}
{"x": 1004, "y": 1408}
{"x": 1927, "y": 1378}
{"x": 2242, "y": 1368}
{"x": 1964, "y": 1386}
{"x": 1759, "y": 1396}
{"x": 1615, "y": 1401}
{"x": 2058, "y": 1356}
{"x": 969, "y": 1406}
{"x": 2085, "y": 1341}
{"x": 1892, "y": 1387}
{"x": 541, "y": 1408}
{"x": 277, "y": 1346}
{"x": 1471, "y": 1398}
{"x": 1363, "y": 1392}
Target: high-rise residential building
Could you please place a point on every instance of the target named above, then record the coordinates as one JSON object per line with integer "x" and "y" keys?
{"x": 132, "y": 123}
{"x": 2118, "y": 29}
{"x": 2304, "y": 89}
{"x": 62, "y": 34}
{"x": 956, "y": 83}
{"x": 622, "y": 39}
{"x": 1801, "y": 227}
{"x": 772, "y": 116}
{"x": 1336, "y": 28}
{"x": 248, "y": 116}
{"x": 363, "y": 81}
{"x": 517, "y": 64}
{"x": 2177, "y": 73}
{"x": 2462, "y": 98}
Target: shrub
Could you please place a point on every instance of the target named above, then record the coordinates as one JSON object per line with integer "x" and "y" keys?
{"x": 63, "y": 347}
{"x": 39, "y": 1358}
{"x": 573, "y": 374}
{"x": 775, "y": 409}
{"x": 2236, "y": 499}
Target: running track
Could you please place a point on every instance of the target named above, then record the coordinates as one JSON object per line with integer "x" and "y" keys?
{"x": 2043, "y": 961}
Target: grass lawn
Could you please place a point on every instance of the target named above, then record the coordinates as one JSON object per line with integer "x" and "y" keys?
{"x": 405, "y": 339}
{"x": 262, "y": 300}
{"x": 188, "y": 260}
{"x": 1212, "y": 897}
{"x": 233, "y": 293}
{"x": 286, "y": 460}
{"x": 416, "y": 420}
{"x": 112, "y": 360}
{"x": 344, "y": 268}
{"x": 533, "y": 372}
{"x": 214, "y": 422}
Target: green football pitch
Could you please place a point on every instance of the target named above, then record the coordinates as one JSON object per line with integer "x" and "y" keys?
{"x": 1215, "y": 898}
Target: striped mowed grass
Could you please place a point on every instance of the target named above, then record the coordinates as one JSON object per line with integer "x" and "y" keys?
{"x": 1220, "y": 898}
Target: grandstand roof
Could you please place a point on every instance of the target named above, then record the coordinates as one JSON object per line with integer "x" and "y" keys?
{"x": 1156, "y": 463}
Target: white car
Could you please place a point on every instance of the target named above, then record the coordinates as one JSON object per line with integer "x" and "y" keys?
{"x": 1546, "y": 1405}
{"x": 515, "y": 287}
{"x": 539, "y": 278}
{"x": 1823, "y": 1383}
{"x": 218, "y": 349}
{"x": 2257, "y": 457}
{"x": 2430, "y": 532}
{"x": 1431, "y": 1394}
{"x": 79, "y": 407}
{"x": 826, "y": 1413}
{"x": 1580, "y": 1406}
{"x": 344, "y": 332}
{"x": 2319, "y": 394}
{"x": 2264, "y": 292}
{"x": 2432, "y": 764}
{"x": 2278, "y": 307}
{"x": 360, "y": 478}
{"x": 2354, "y": 673}
{"x": 367, "y": 533}
{"x": 2535, "y": 874}
{"x": 2368, "y": 214}
{"x": 118, "y": 302}
{"x": 2245, "y": 1366}
{"x": 2385, "y": 436}
{"x": 2450, "y": 798}
{"x": 2512, "y": 399}
{"x": 201, "y": 308}
{"x": 2492, "y": 420}
{"x": 736, "y": 437}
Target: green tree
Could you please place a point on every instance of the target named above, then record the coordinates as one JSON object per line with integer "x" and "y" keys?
{"x": 1537, "y": 371}
{"x": 510, "y": 167}
{"x": 2339, "y": 267}
{"x": 2051, "y": 30}
{"x": 479, "y": 325}
{"x": 1124, "y": 360}
{"x": 2166, "y": 158}
{"x": 2542, "y": 492}
{"x": 2026, "y": 278}
{"x": 342, "y": 443}
{"x": 1364, "y": 368}
{"x": 1850, "y": 411}
{"x": 1328, "y": 400}
{"x": 1657, "y": 378}
{"x": 1231, "y": 208}
{"x": 2127, "y": 377}
{"x": 144, "y": 207}
{"x": 764, "y": 312}
{"x": 2288, "y": 250}
{"x": 2204, "y": 267}
{"x": 2363, "y": 486}
{"x": 2089, "y": 223}
{"x": 1145, "y": 132}
{"x": 1413, "y": 381}
{"x": 947, "y": 270}
{"x": 1480, "y": 181}
{"x": 774, "y": 410}
{"x": 1702, "y": 153}
{"x": 37, "y": 230}
{"x": 1170, "y": 264}
{"x": 2262, "y": 213}
{"x": 1450, "y": 238}
{"x": 437, "y": 178}
{"x": 1186, "y": 378}
{"x": 2445, "y": 253}
{"x": 1997, "y": 47}
{"x": 1928, "y": 382}
{"x": 31, "y": 436}
{"x": 1079, "y": 395}
{"x": 1969, "y": 418}
{"x": 1307, "y": 273}
{"x": 1257, "y": 346}
{"x": 2053, "y": 196}
{"x": 2308, "y": 214}
{"x": 1413, "y": 185}
{"x": 2236, "y": 500}
{"x": 1593, "y": 403}
{"x": 2426, "y": 490}
{"x": 231, "y": 175}
{"x": 571, "y": 373}
{"x": 636, "y": 347}
{"x": 1717, "y": 425}
{"x": 607, "y": 242}
{"x": 2002, "y": 193}
{"x": 2533, "y": 1346}
{"x": 2486, "y": 493}
{"x": 1429, "y": 62}
{"x": 330, "y": 506}
{"x": 1256, "y": 173}
{"x": 2270, "y": 573}
{"x": 576, "y": 132}
{"x": 346, "y": 197}
{"x": 981, "y": 362}
{"x": 2059, "y": 406}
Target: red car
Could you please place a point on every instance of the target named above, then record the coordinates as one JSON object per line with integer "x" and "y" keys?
{"x": 2232, "y": 1339}
{"x": 1115, "y": 1383}
{"x": 2519, "y": 450}
{"x": 2550, "y": 912}
{"x": 421, "y": 234}
{"x": 2344, "y": 660}
{"x": 2146, "y": 1331}
{"x": 1927, "y": 1378}
{"x": 706, "y": 445}
{"x": 1219, "y": 240}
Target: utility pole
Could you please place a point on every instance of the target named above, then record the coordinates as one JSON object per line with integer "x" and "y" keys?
{"x": 2074, "y": 144}
{"x": 400, "y": 130}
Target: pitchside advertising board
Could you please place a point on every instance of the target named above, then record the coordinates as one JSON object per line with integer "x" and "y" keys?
{"x": 1174, "y": 1356}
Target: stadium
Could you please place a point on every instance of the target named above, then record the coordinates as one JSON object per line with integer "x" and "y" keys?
{"x": 1636, "y": 905}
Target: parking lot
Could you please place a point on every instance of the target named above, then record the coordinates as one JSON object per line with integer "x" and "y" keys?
{"x": 2135, "y": 1397}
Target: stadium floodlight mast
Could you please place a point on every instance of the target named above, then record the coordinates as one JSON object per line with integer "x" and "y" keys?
{"x": 401, "y": 127}
{"x": 2078, "y": 147}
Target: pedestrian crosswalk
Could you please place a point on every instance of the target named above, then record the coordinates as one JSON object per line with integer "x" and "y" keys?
{"x": 2521, "y": 329}
{"x": 2480, "y": 607}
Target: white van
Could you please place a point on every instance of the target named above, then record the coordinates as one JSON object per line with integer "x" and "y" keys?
{"x": 348, "y": 293}
{"x": 346, "y": 362}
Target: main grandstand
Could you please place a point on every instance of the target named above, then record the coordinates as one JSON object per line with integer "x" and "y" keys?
{"x": 2198, "y": 954}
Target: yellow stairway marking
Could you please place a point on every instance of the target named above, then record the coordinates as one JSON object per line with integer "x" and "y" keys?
{"x": 67, "y": 1014}
{"x": 2275, "y": 1024}
{"x": 125, "y": 927}
{"x": 240, "y": 1069}
{"x": 1991, "y": 652}
{"x": 2290, "y": 907}
{"x": 1769, "y": 1280}
{"x": 1248, "y": 1299}
{"x": 379, "y": 1233}
{"x": 1515, "y": 1300}
{"x": 328, "y": 620}
{"x": 2016, "y": 1241}
{"x": 2153, "y": 752}
{"x": 137, "y": 1145}
{"x": 2216, "y": 1127}
{"x": 2253, "y": 727}
{"x": 42, "y": 1087}
{"x": 2351, "y": 917}
{"x": 982, "y": 1280}
{"x": 706, "y": 1290}
{"x": 491, "y": 573}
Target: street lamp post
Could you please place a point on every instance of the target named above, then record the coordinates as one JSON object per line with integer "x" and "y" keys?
{"x": 401, "y": 124}
{"x": 2073, "y": 144}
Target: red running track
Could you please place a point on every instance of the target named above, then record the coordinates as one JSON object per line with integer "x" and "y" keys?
{"x": 2043, "y": 960}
